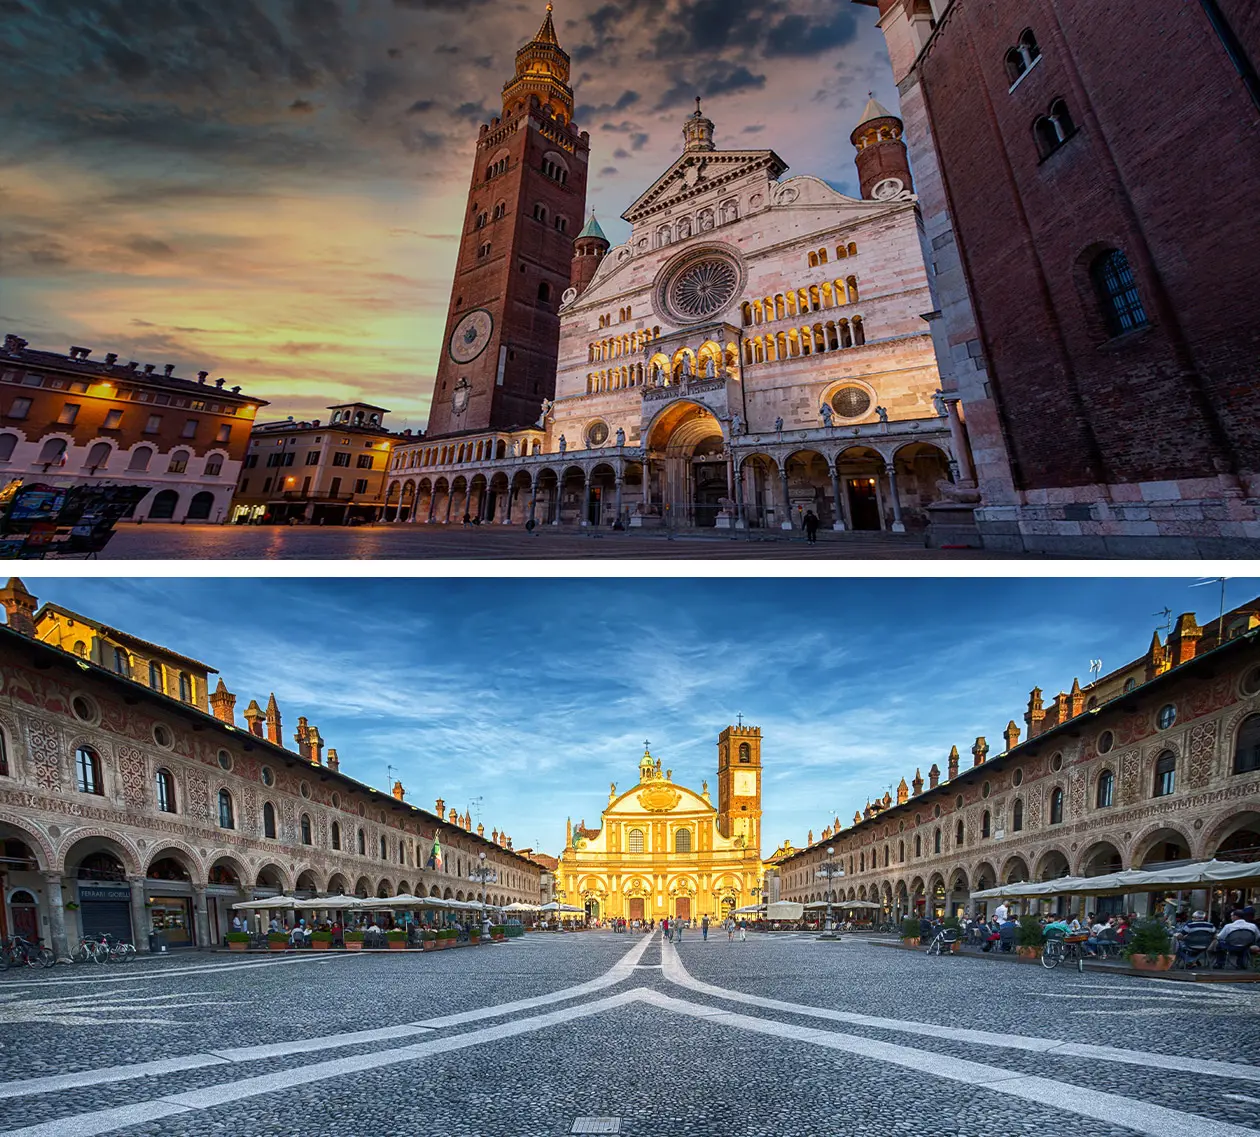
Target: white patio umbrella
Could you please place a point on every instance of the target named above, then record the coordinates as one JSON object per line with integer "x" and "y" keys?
{"x": 521, "y": 906}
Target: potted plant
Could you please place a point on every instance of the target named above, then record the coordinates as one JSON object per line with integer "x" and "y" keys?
{"x": 429, "y": 941}
{"x": 498, "y": 932}
{"x": 396, "y": 938}
{"x": 353, "y": 941}
{"x": 910, "y": 931}
{"x": 237, "y": 941}
{"x": 1150, "y": 947}
{"x": 278, "y": 941}
{"x": 321, "y": 941}
{"x": 474, "y": 936}
{"x": 448, "y": 938}
{"x": 1029, "y": 938}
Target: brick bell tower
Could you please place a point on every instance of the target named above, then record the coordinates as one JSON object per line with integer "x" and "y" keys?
{"x": 525, "y": 207}
{"x": 739, "y": 784}
{"x": 882, "y": 162}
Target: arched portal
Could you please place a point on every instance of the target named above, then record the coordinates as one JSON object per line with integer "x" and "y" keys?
{"x": 809, "y": 488}
{"x": 919, "y": 467}
{"x": 863, "y": 485}
{"x": 689, "y": 481}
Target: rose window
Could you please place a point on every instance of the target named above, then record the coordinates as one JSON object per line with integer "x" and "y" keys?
{"x": 597, "y": 435}
{"x": 703, "y": 289}
{"x": 851, "y": 402}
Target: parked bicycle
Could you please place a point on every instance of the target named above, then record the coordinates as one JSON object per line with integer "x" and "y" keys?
{"x": 19, "y": 951}
{"x": 89, "y": 949}
{"x": 1060, "y": 949}
{"x": 116, "y": 950}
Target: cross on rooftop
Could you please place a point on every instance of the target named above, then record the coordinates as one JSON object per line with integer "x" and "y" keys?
{"x": 739, "y": 719}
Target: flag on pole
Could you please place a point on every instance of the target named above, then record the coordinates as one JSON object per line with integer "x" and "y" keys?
{"x": 435, "y": 854}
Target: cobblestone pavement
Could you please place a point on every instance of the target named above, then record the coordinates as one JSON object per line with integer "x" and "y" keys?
{"x": 783, "y": 1035}
{"x": 406, "y": 542}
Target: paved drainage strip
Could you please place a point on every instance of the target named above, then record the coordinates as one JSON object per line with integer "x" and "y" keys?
{"x": 596, "y": 1125}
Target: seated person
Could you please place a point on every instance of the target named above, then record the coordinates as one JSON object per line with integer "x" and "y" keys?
{"x": 1058, "y": 927}
{"x": 1237, "y": 920}
{"x": 1007, "y": 931}
{"x": 1198, "y": 922}
{"x": 1095, "y": 935}
{"x": 926, "y": 929}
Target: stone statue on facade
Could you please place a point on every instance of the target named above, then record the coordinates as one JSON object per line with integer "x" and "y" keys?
{"x": 516, "y": 448}
{"x": 547, "y": 405}
{"x": 882, "y": 412}
{"x": 710, "y": 368}
{"x": 686, "y": 368}
{"x": 827, "y": 413}
{"x": 621, "y": 437}
{"x": 938, "y": 401}
{"x": 778, "y": 424}
{"x": 737, "y": 426}
{"x": 658, "y": 374}
{"x": 564, "y": 444}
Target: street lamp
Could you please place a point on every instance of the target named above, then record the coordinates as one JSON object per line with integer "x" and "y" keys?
{"x": 828, "y": 871}
{"x": 485, "y": 874}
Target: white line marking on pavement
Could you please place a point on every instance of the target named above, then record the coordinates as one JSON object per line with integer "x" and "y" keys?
{"x": 1156, "y": 1120}
{"x": 1242, "y": 1097}
{"x": 619, "y": 972}
{"x": 674, "y": 971}
{"x": 132, "y": 976}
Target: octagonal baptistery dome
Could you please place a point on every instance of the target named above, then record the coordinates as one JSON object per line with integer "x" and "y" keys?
{"x": 783, "y": 288}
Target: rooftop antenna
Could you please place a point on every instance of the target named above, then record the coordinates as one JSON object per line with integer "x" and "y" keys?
{"x": 1220, "y": 622}
{"x": 390, "y": 773}
{"x": 475, "y": 805}
{"x": 1095, "y": 668}
{"x": 1167, "y": 614}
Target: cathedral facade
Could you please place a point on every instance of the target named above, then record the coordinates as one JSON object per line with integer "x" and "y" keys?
{"x": 759, "y": 348}
{"x": 665, "y": 851}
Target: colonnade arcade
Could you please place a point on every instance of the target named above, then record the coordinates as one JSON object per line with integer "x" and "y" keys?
{"x": 878, "y": 478}
{"x": 945, "y": 888}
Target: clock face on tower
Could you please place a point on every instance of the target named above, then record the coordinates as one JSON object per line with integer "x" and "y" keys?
{"x": 888, "y": 189}
{"x": 471, "y": 336}
{"x": 745, "y": 784}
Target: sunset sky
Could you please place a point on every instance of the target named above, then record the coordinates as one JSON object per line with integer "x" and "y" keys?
{"x": 270, "y": 190}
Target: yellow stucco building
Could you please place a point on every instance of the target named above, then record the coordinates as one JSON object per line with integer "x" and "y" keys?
{"x": 662, "y": 849}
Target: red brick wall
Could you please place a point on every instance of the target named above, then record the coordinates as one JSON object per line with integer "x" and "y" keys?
{"x": 525, "y": 253}
{"x": 1164, "y": 166}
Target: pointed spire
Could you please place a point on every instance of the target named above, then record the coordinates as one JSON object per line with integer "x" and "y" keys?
{"x": 874, "y": 109}
{"x": 592, "y": 229}
{"x": 698, "y": 131}
{"x": 273, "y": 722}
{"x": 547, "y": 33}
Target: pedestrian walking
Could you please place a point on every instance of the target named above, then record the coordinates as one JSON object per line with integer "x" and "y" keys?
{"x": 704, "y": 928}
{"x": 743, "y": 931}
{"x": 811, "y": 527}
{"x": 730, "y": 930}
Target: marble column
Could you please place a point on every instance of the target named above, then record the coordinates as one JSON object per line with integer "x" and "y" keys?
{"x": 786, "y": 523}
{"x": 898, "y": 526}
{"x": 959, "y": 442}
{"x": 533, "y": 502}
{"x": 741, "y": 520}
{"x": 618, "y": 501}
{"x": 139, "y": 913}
{"x": 450, "y": 501}
{"x": 838, "y": 524}
{"x": 432, "y": 505}
{"x": 586, "y": 500}
{"x": 56, "y": 916}
{"x": 483, "y": 506}
{"x": 506, "y": 519}
{"x": 559, "y": 498}
{"x": 647, "y": 484}
{"x": 201, "y": 919}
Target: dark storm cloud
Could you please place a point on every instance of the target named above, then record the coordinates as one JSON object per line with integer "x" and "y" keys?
{"x": 149, "y": 247}
{"x": 302, "y": 106}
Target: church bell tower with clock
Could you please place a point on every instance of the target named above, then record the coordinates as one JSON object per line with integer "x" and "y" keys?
{"x": 526, "y": 204}
{"x": 739, "y": 784}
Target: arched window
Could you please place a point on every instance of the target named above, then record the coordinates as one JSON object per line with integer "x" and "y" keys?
{"x": 306, "y": 829}
{"x": 185, "y": 687}
{"x": 155, "y": 677}
{"x": 861, "y": 862}
{"x": 336, "y": 835}
{"x": 745, "y": 752}
{"x": 959, "y": 833}
{"x": 164, "y": 785}
{"x": 227, "y": 816}
{"x": 122, "y": 663}
{"x": 918, "y": 845}
{"x": 636, "y": 841}
{"x": 936, "y": 841}
{"x": 986, "y": 825}
{"x": 362, "y": 844}
{"x": 1056, "y": 807}
{"x": 1165, "y": 774}
{"x": 53, "y": 452}
{"x": 682, "y": 841}
{"x": 1117, "y": 292}
{"x": 7, "y": 443}
{"x": 98, "y": 456}
{"x": 87, "y": 765}
{"x": 886, "y": 856}
{"x": 1015, "y": 65}
{"x": 1017, "y": 816}
{"x": 178, "y": 463}
{"x": 1247, "y": 746}
{"x": 384, "y": 850}
{"x": 1106, "y": 789}
{"x": 544, "y": 292}
{"x": 269, "y": 820}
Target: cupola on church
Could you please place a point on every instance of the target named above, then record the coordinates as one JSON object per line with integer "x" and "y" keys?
{"x": 759, "y": 348}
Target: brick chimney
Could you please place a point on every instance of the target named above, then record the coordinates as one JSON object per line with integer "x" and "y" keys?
{"x": 1011, "y": 735}
{"x": 273, "y": 721}
{"x": 934, "y": 776}
{"x": 1036, "y": 714}
{"x": 1183, "y": 641}
{"x": 20, "y": 606}
{"x": 334, "y": 763}
{"x": 953, "y": 762}
{"x": 979, "y": 752}
{"x": 441, "y": 807}
{"x": 223, "y": 703}
{"x": 316, "y": 746}
{"x": 302, "y": 736}
{"x": 903, "y": 792}
{"x": 917, "y": 783}
{"x": 254, "y": 718}
{"x": 1156, "y": 657}
{"x": 1076, "y": 699}
{"x": 398, "y": 791}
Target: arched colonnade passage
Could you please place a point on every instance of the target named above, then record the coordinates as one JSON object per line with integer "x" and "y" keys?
{"x": 689, "y": 474}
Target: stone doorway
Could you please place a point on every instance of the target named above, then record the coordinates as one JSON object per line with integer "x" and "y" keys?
{"x": 636, "y": 908}
{"x": 864, "y": 503}
{"x": 682, "y": 907}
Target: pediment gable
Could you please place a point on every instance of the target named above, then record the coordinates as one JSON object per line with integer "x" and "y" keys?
{"x": 698, "y": 172}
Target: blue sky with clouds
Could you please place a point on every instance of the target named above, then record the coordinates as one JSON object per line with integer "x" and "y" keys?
{"x": 533, "y": 695}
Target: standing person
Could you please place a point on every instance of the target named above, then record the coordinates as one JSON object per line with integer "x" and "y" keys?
{"x": 665, "y": 926}
{"x": 730, "y": 930}
{"x": 1000, "y": 913}
{"x": 704, "y": 928}
{"x": 811, "y": 527}
{"x": 743, "y": 931}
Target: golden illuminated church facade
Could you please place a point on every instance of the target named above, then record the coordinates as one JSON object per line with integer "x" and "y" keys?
{"x": 663, "y": 850}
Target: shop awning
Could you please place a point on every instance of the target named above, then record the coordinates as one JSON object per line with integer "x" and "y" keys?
{"x": 1130, "y": 881}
